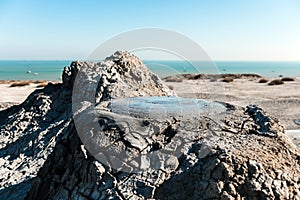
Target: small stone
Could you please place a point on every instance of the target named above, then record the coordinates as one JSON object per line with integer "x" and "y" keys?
{"x": 171, "y": 163}
{"x": 204, "y": 151}
{"x": 253, "y": 168}
{"x": 231, "y": 189}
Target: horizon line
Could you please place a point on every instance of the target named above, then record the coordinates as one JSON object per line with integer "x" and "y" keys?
{"x": 71, "y": 60}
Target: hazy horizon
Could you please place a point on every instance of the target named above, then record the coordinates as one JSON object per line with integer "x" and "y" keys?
{"x": 292, "y": 61}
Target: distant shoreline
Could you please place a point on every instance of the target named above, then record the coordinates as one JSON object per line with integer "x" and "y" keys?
{"x": 27, "y": 81}
{"x": 51, "y": 70}
{"x": 183, "y": 76}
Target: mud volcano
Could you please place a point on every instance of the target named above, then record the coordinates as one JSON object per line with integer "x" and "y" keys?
{"x": 77, "y": 140}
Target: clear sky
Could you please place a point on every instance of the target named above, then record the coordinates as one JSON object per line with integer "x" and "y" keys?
{"x": 226, "y": 29}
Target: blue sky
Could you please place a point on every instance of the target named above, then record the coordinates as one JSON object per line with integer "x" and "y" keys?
{"x": 226, "y": 29}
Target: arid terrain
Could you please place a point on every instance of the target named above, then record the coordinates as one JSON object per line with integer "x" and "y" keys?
{"x": 281, "y": 101}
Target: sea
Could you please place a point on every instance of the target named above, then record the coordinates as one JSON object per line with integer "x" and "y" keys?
{"x": 52, "y": 69}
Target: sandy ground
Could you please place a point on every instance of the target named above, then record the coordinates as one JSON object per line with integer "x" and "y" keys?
{"x": 16, "y": 95}
{"x": 280, "y": 101}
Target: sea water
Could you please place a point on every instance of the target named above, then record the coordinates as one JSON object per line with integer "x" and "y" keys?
{"x": 32, "y": 69}
{"x": 267, "y": 69}
{"x": 52, "y": 70}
